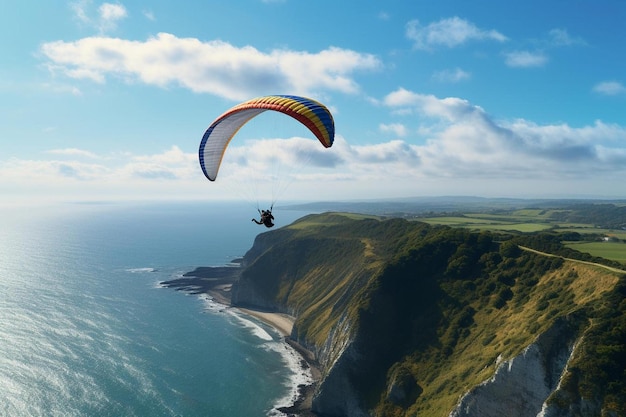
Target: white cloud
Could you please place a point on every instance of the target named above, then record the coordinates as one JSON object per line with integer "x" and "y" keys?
{"x": 385, "y": 156}
{"x": 149, "y": 14}
{"x": 449, "y": 33}
{"x": 79, "y": 8}
{"x": 49, "y": 172}
{"x": 172, "y": 164}
{"x": 525, "y": 59}
{"x": 73, "y": 152}
{"x": 110, "y": 12}
{"x": 106, "y": 18}
{"x": 560, "y": 37}
{"x": 467, "y": 142}
{"x": 397, "y": 129}
{"x": 451, "y": 108}
{"x": 71, "y": 163}
{"x": 451, "y": 75}
{"x": 213, "y": 67}
{"x": 557, "y": 38}
{"x": 456, "y": 148}
{"x": 610, "y": 88}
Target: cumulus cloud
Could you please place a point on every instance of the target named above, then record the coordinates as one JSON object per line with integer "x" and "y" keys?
{"x": 459, "y": 143}
{"x": 49, "y": 171}
{"x": 384, "y": 154}
{"x": 451, "y": 108}
{"x": 448, "y": 33}
{"x": 445, "y": 143}
{"x": 172, "y": 164}
{"x": 397, "y": 129}
{"x": 277, "y": 157}
{"x": 85, "y": 165}
{"x": 610, "y": 88}
{"x": 213, "y": 67}
{"x": 525, "y": 59}
{"x": 467, "y": 142}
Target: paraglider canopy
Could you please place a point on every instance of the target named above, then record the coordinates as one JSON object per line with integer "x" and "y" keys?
{"x": 314, "y": 115}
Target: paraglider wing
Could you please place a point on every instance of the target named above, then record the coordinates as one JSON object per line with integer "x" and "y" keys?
{"x": 314, "y": 115}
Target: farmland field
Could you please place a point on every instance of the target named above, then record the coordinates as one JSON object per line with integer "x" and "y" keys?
{"x": 615, "y": 251}
{"x": 492, "y": 222}
{"x": 534, "y": 220}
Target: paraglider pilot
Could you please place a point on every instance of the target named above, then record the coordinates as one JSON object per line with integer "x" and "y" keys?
{"x": 266, "y": 218}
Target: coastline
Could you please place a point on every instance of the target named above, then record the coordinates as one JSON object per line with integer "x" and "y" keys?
{"x": 216, "y": 282}
{"x": 283, "y": 323}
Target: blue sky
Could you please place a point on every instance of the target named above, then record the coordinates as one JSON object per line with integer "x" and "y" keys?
{"x": 109, "y": 100}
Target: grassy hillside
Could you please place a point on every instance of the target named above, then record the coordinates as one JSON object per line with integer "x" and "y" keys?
{"x": 434, "y": 309}
{"x": 319, "y": 264}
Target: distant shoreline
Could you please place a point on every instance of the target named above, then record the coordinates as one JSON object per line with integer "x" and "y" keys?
{"x": 217, "y": 283}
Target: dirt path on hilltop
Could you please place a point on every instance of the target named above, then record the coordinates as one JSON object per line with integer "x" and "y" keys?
{"x": 610, "y": 268}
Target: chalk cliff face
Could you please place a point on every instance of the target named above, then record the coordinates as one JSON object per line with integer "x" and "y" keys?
{"x": 520, "y": 386}
{"x": 337, "y": 395}
{"x": 411, "y": 320}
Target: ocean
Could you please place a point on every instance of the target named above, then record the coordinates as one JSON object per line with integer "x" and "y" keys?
{"x": 86, "y": 329}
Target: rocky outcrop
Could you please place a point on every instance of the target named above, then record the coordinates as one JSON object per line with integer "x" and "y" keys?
{"x": 246, "y": 291}
{"x": 249, "y": 296}
{"x": 579, "y": 408}
{"x": 521, "y": 386}
{"x": 403, "y": 389}
{"x": 337, "y": 395}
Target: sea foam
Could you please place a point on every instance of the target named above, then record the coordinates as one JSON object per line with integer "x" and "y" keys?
{"x": 256, "y": 329}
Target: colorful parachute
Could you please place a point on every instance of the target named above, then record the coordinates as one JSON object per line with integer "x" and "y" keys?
{"x": 315, "y": 116}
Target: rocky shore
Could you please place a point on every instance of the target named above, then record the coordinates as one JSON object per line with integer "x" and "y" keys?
{"x": 216, "y": 282}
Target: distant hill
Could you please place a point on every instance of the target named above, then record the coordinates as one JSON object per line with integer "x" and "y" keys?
{"x": 602, "y": 211}
{"x": 408, "y": 319}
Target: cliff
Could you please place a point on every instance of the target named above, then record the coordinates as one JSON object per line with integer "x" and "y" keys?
{"x": 406, "y": 319}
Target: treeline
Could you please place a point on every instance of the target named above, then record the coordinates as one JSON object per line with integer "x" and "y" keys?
{"x": 551, "y": 243}
{"x": 600, "y": 371}
{"x": 608, "y": 216}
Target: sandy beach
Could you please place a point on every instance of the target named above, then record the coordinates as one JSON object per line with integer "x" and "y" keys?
{"x": 283, "y": 323}
{"x": 217, "y": 282}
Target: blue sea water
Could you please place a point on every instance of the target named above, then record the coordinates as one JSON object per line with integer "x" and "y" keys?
{"x": 86, "y": 330}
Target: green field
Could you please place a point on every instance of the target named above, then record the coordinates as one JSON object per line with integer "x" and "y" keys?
{"x": 535, "y": 220}
{"x": 615, "y": 251}
{"x": 484, "y": 224}
{"x": 491, "y": 222}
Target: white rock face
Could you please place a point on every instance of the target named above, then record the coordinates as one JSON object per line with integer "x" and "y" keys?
{"x": 517, "y": 388}
{"x": 579, "y": 408}
{"x": 336, "y": 395}
{"x": 521, "y": 386}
